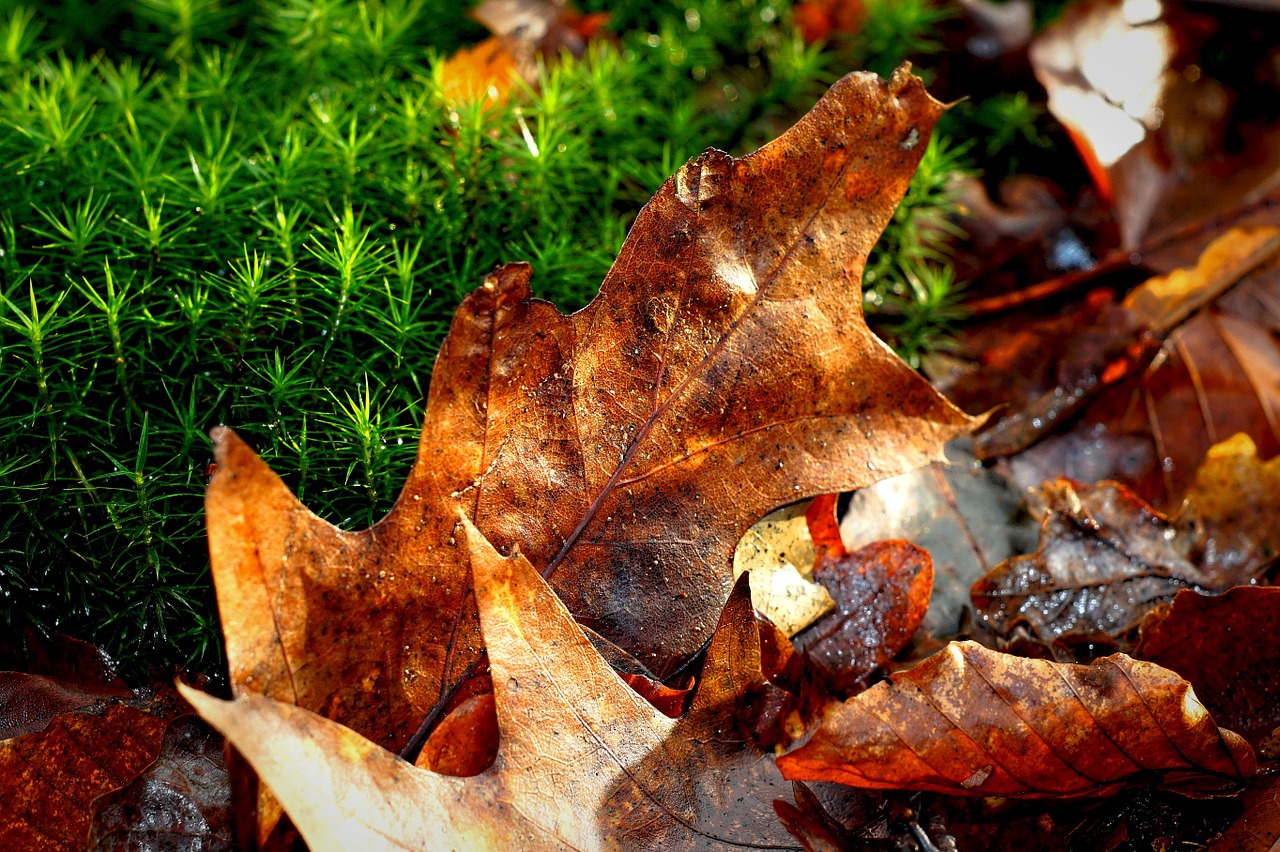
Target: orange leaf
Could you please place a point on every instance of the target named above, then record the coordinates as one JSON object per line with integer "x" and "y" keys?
{"x": 582, "y": 760}
{"x": 977, "y": 722}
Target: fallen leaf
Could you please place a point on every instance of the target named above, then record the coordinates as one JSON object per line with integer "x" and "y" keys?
{"x": 1124, "y": 339}
{"x": 1226, "y": 647}
{"x": 49, "y": 779}
{"x": 1236, "y": 496}
{"x": 881, "y": 593}
{"x": 583, "y": 762}
{"x": 1258, "y": 829}
{"x": 181, "y": 801}
{"x": 968, "y": 518}
{"x": 1106, "y": 559}
{"x": 779, "y": 552}
{"x": 724, "y": 370}
{"x": 524, "y": 33}
{"x": 971, "y": 721}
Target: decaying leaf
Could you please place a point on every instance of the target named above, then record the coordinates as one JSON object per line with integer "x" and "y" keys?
{"x": 49, "y": 779}
{"x": 881, "y": 593}
{"x": 181, "y": 801}
{"x": 973, "y": 721}
{"x": 779, "y": 552}
{"x": 583, "y": 762}
{"x": 1123, "y": 340}
{"x": 724, "y": 370}
{"x": 1228, "y": 647}
{"x": 1106, "y": 559}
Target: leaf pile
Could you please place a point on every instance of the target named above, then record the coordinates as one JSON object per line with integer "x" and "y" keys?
{"x": 543, "y": 644}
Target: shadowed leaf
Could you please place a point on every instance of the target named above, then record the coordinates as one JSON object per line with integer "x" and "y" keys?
{"x": 977, "y": 722}
{"x": 181, "y": 801}
{"x": 1226, "y": 646}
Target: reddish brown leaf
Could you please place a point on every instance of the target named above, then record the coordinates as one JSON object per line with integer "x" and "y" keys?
{"x": 466, "y": 741}
{"x": 1227, "y": 647}
{"x": 726, "y": 346}
{"x": 1106, "y": 559}
{"x": 582, "y": 760}
{"x": 48, "y": 780}
{"x": 976, "y": 722}
{"x": 881, "y": 594}
{"x": 1258, "y": 829}
{"x": 1150, "y": 424}
{"x": 181, "y": 801}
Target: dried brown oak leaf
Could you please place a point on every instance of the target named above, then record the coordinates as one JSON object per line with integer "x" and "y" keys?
{"x": 724, "y": 370}
{"x": 977, "y": 722}
{"x": 583, "y": 761}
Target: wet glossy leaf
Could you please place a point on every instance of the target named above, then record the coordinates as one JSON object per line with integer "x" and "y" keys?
{"x": 881, "y": 593}
{"x": 182, "y": 801}
{"x": 1106, "y": 559}
{"x": 973, "y": 721}
{"x": 49, "y": 779}
{"x": 726, "y": 347}
{"x": 583, "y": 762}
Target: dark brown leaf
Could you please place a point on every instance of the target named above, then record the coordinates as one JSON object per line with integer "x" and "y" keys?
{"x": 1106, "y": 559}
{"x": 972, "y": 721}
{"x": 182, "y": 801}
{"x": 881, "y": 593}
{"x": 1228, "y": 647}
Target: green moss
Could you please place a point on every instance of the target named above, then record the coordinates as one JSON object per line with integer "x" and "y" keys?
{"x": 263, "y": 214}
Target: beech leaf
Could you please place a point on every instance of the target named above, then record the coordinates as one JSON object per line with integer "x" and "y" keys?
{"x": 583, "y": 761}
{"x": 977, "y": 722}
{"x": 724, "y": 370}
{"x": 1226, "y": 646}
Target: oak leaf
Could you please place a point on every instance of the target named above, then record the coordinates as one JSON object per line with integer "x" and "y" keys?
{"x": 973, "y": 721}
{"x": 583, "y": 762}
{"x": 724, "y": 370}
